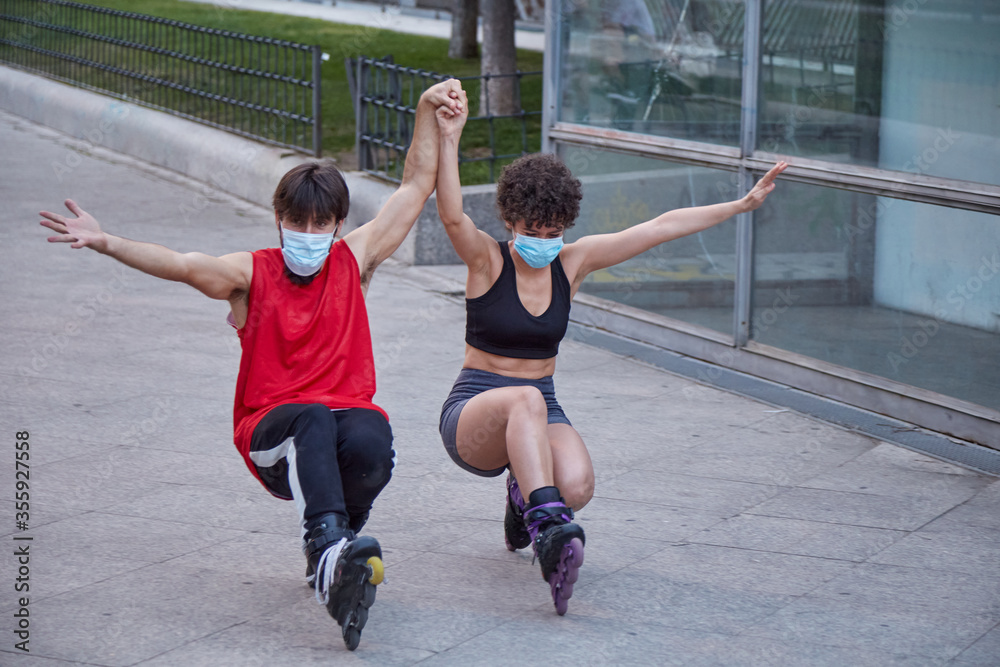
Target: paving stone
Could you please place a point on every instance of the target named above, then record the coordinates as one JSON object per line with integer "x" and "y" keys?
{"x": 934, "y": 636}
{"x": 794, "y": 536}
{"x": 687, "y": 491}
{"x": 634, "y": 596}
{"x": 983, "y": 653}
{"x": 143, "y": 613}
{"x": 949, "y": 546}
{"x": 594, "y": 641}
{"x": 891, "y": 471}
{"x": 854, "y": 509}
{"x": 753, "y": 651}
{"x": 739, "y": 570}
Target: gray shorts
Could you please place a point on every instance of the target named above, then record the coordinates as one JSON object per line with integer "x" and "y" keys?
{"x": 472, "y": 382}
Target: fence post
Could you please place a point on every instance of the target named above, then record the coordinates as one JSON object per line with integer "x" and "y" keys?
{"x": 317, "y": 58}
{"x": 360, "y": 126}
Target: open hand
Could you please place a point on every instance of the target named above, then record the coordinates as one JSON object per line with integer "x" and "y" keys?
{"x": 759, "y": 193}
{"x": 81, "y": 231}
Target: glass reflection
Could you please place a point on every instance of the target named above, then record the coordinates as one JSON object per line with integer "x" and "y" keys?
{"x": 691, "y": 278}
{"x": 903, "y": 290}
{"x": 668, "y": 67}
{"x": 894, "y": 84}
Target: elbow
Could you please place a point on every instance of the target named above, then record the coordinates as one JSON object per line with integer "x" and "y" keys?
{"x": 451, "y": 216}
{"x": 419, "y": 180}
{"x": 449, "y": 222}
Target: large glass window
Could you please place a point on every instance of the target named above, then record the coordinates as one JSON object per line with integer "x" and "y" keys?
{"x": 692, "y": 278}
{"x": 903, "y": 290}
{"x": 895, "y": 84}
{"x": 664, "y": 67}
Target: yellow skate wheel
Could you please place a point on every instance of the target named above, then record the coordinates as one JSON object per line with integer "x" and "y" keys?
{"x": 377, "y": 570}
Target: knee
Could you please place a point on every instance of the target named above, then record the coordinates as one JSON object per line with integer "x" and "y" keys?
{"x": 578, "y": 490}
{"x": 577, "y": 496}
{"x": 528, "y": 402}
{"x": 367, "y": 456}
{"x": 376, "y": 472}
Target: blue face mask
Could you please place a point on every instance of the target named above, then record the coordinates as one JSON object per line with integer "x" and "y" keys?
{"x": 305, "y": 253}
{"x": 538, "y": 253}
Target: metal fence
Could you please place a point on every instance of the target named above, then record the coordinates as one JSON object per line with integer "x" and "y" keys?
{"x": 385, "y": 99}
{"x": 257, "y": 87}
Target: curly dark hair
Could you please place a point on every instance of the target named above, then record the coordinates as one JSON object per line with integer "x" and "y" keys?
{"x": 539, "y": 190}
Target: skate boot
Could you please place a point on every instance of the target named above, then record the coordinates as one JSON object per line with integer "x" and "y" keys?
{"x": 558, "y": 545}
{"x": 355, "y": 523}
{"x": 515, "y": 534}
{"x": 345, "y": 569}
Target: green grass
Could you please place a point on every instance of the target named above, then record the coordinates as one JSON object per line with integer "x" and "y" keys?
{"x": 343, "y": 41}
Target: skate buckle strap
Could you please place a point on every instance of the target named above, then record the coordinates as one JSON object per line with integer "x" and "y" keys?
{"x": 542, "y": 514}
{"x": 318, "y": 543}
{"x": 326, "y": 570}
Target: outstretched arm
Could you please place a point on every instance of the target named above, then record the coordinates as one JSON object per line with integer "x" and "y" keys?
{"x": 373, "y": 242}
{"x": 471, "y": 244}
{"x": 603, "y": 250}
{"x": 222, "y": 278}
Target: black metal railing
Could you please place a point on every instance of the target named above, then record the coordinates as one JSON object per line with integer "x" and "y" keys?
{"x": 385, "y": 99}
{"x": 257, "y": 87}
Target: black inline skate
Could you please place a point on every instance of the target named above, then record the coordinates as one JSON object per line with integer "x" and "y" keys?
{"x": 344, "y": 569}
{"x": 514, "y": 531}
{"x": 558, "y": 545}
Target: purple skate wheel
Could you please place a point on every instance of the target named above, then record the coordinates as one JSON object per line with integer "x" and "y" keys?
{"x": 567, "y": 572}
{"x": 510, "y": 547}
{"x": 575, "y": 557}
{"x": 559, "y": 597}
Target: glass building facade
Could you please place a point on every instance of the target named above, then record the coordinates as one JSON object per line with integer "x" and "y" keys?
{"x": 872, "y": 275}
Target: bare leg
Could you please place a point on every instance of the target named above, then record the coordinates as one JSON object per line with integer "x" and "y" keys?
{"x": 573, "y": 471}
{"x": 508, "y": 425}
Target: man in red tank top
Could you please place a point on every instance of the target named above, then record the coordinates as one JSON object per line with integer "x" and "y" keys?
{"x": 303, "y": 418}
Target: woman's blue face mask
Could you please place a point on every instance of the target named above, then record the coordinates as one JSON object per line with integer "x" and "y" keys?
{"x": 538, "y": 253}
{"x": 305, "y": 253}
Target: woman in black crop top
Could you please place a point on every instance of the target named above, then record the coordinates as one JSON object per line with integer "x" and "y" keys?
{"x": 502, "y": 413}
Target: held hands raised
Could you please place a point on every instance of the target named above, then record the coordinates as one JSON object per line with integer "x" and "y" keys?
{"x": 451, "y": 119}
{"x": 759, "y": 193}
{"x": 447, "y": 98}
{"x": 81, "y": 231}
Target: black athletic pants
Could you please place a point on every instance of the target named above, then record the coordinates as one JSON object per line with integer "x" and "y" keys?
{"x": 328, "y": 461}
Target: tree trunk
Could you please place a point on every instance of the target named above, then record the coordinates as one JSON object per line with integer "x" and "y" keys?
{"x": 464, "y": 23}
{"x": 499, "y": 96}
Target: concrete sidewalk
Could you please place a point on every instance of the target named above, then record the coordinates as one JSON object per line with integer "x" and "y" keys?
{"x": 723, "y": 531}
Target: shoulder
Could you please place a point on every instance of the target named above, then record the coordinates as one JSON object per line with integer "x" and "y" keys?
{"x": 266, "y": 259}
{"x": 574, "y": 255}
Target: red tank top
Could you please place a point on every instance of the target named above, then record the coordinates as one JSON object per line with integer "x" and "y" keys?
{"x": 303, "y": 343}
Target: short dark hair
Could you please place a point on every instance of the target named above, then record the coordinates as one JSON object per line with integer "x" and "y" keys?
{"x": 312, "y": 191}
{"x": 538, "y": 190}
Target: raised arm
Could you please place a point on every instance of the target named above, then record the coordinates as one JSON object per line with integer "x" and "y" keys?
{"x": 373, "y": 242}
{"x": 603, "y": 250}
{"x": 471, "y": 244}
{"x": 224, "y": 278}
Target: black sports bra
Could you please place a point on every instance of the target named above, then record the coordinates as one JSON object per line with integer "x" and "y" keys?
{"x": 497, "y": 322}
